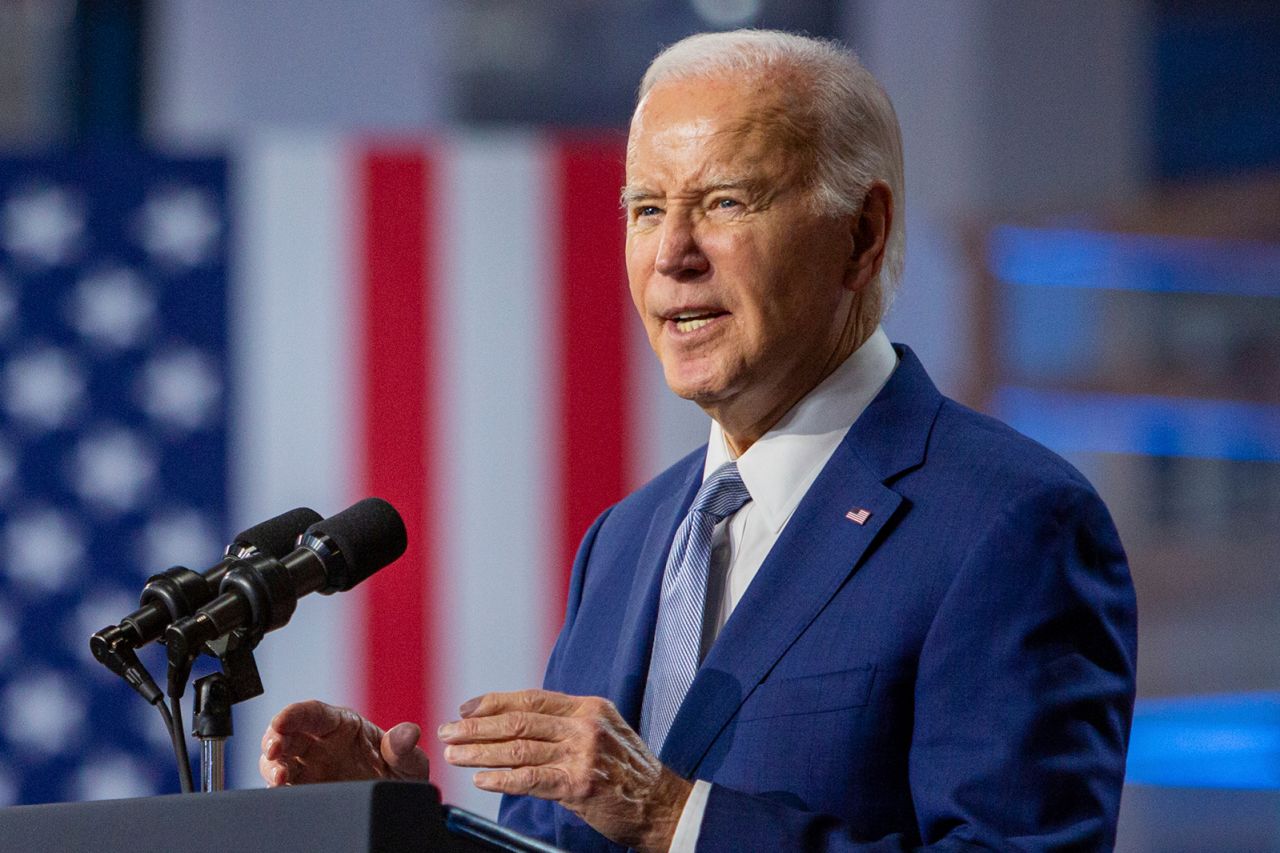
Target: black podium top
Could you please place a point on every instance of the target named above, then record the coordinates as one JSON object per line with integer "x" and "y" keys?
{"x": 349, "y": 817}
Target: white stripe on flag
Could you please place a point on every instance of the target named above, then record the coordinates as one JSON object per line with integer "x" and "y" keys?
{"x": 496, "y": 587}
{"x": 293, "y": 445}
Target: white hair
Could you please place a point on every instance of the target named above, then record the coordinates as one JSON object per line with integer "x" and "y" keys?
{"x": 852, "y": 128}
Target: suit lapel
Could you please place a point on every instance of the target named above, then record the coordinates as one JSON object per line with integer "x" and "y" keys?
{"x": 817, "y": 552}
{"x": 630, "y": 668}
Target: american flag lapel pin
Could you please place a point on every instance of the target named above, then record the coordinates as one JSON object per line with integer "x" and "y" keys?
{"x": 858, "y": 515}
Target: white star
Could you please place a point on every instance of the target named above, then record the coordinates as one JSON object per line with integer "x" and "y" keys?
{"x": 179, "y": 226}
{"x": 41, "y": 712}
{"x": 112, "y": 776}
{"x": 43, "y": 225}
{"x": 112, "y": 307}
{"x": 181, "y": 537}
{"x": 42, "y": 549}
{"x": 43, "y": 387}
{"x": 112, "y": 469}
{"x": 180, "y": 388}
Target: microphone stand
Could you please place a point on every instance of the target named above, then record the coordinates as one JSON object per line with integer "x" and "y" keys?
{"x": 211, "y": 723}
{"x": 215, "y": 694}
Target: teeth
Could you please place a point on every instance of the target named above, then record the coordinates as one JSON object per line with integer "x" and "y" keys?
{"x": 691, "y": 325}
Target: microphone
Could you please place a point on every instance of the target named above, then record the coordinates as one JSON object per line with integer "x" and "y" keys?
{"x": 178, "y": 592}
{"x": 260, "y": 593}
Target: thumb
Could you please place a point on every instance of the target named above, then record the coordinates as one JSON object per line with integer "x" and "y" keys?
{"x": 399, "y": 748}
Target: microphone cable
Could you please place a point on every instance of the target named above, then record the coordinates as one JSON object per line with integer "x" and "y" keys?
{"x": 173, "y": 722}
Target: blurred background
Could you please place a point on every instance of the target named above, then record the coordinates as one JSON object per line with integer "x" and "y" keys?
{"x": 262, "y": 255}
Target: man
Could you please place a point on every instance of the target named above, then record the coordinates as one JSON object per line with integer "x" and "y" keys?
{"x": 863, "y": 617}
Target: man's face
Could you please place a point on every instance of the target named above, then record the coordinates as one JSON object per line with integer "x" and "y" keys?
{"x": 742, "y": 287}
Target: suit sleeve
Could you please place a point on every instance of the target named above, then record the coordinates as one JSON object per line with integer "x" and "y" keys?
{"x": 1023, "y": 699}
{"x": 531, "y": 815}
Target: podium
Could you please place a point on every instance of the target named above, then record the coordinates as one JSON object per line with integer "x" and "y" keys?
{"x": 346, "y": 817}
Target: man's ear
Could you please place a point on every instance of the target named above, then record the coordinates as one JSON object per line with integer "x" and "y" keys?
{"x": 870, "y": 231}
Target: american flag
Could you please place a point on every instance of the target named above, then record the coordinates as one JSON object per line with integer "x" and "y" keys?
{"x": 441, "y": 322}
{"x": 113, "y": 445}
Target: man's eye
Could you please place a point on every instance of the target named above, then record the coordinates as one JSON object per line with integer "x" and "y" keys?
{"x": 727, "y": 203}
{"x": 646, "y": 210}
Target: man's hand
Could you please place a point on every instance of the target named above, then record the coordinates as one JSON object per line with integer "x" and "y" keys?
{"x": 314, "y": 742}
{"x": 575, "y": 750}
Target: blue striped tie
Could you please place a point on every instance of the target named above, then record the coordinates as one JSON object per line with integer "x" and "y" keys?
{"x": 677, "y": 639}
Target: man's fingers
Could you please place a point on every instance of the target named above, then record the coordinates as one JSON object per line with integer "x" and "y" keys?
{"x": 400, "y": 739}
{"x": 276, "y": 745}
{"x": 516, "y": 725}
{"x": 537, "y": 701}
{"x": 399, "y": 749}
{"x": 284, "y": 772}
{"x": 547, "y": 783}
{"x": 311, "y": 717}
{"x": 514, "y": 753}
{"x": 272, "y": 772}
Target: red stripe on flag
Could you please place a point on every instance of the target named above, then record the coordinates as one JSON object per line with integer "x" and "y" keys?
{"x": 397, "y": 342}
{"x": 592, "y": 311}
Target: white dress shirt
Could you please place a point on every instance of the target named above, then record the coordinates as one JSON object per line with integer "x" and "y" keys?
{"x": 778, "y": 470}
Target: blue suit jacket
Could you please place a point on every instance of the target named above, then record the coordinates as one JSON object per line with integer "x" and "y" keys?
{"x": 956, "y": 673}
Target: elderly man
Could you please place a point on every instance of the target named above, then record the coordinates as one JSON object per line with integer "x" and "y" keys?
{"x": 862, "y": 617}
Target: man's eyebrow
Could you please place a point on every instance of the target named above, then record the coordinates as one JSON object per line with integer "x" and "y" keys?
{"x": 630, "y": 195}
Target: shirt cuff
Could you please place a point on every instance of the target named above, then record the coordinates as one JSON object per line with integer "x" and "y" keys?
{"x": 685, "y": 839}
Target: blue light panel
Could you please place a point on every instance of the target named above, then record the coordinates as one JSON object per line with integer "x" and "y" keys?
{"x": 1095, "y": 422}
{"x": 1069, "y": 257}
{"x": 1224, "y": 741}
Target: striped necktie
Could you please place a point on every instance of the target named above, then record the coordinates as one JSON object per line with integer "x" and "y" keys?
{"x": 677, "y": 639}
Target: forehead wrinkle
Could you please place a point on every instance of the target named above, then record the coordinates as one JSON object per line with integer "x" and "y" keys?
{"x": 775, "y": 125}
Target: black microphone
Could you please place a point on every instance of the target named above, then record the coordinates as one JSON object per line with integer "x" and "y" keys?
{"x": 178, "y": 592}
{"x": 260, "y": 593}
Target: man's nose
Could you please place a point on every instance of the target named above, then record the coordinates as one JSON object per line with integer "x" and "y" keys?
{"x": 679, "y": 254}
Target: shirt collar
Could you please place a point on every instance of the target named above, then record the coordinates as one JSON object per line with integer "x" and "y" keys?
{"x": 783, "y": 463}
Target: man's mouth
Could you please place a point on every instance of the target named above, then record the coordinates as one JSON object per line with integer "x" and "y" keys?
{"x": 691, "y": 321}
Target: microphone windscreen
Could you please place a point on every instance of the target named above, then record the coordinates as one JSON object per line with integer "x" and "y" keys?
{"x": 369, "y": 535}
{"x": 277, "y": 536}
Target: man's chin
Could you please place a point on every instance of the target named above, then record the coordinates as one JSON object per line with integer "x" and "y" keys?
{"x": 703, "y": 390}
